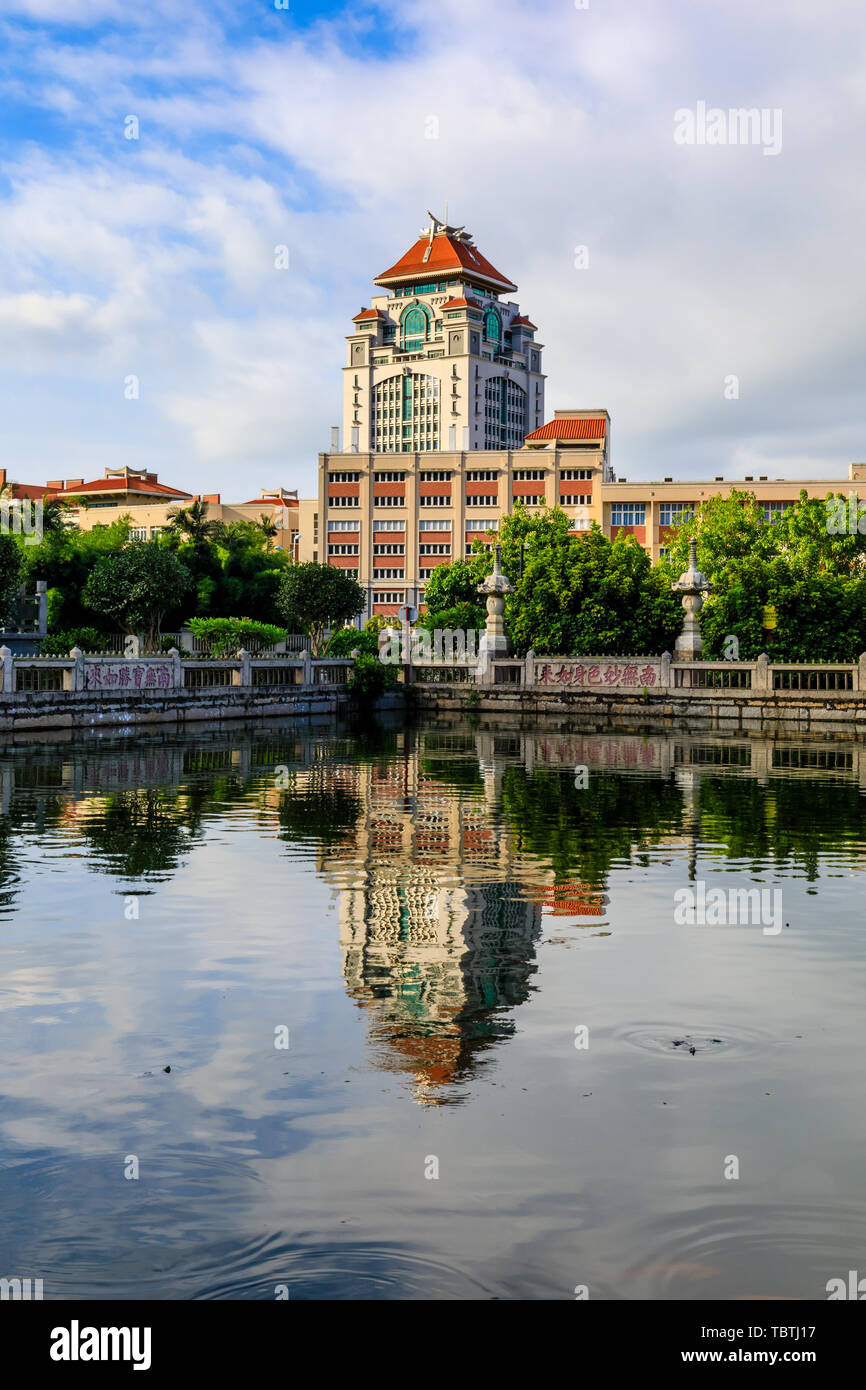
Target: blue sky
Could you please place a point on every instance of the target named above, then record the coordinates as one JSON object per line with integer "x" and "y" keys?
{"x": 309, "y": 127}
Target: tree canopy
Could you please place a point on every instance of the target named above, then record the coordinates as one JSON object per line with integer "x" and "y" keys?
{"x": 313, "y": 596}
{"x": 136, "y": 588}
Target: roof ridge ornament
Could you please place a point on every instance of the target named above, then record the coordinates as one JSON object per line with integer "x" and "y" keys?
{"x": 439, "y": 228}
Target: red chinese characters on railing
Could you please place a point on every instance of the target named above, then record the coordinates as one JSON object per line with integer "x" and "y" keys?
{"x": 119, "y": 676}
{"x": 611, "y": 674}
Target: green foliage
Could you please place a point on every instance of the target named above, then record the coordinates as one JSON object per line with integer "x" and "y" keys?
{"x": 348, "y": 639}
{"x": 311, "y": 596}
{"x": 87, "y": 639}
{"x": 455, "y": 586}
{"x": 137, "y": 587}
{"x": 370, "y": 679}
{"x": 815, "y": 579}
{"x": 10, "y": 576}
{"x": 581, "y": 593}
{"x": 226, "y": 635}
{"x": 463, "y": 617}
{"x": 64, "y": 558}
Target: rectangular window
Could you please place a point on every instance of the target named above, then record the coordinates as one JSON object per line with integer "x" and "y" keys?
{"x": 529, "y": 475}
{"x": 389, "y": 526}
{"x": 575, "y": 474}
{"x": 438, "y": 475}
{"x": 345, "y": 501}
{"x": 389, "y": 501}
{"x": 536, "y": 501}
{"x": 434, "y": 501}
{"x": 388, "y": 596}
{"x": 434, "y": 550}
{"x": 482, "y": 475}
{"x": 391, "y": 549}
{"x": 344, "y": 477}
{"x": 343, "y": 525}
{"x": 492, "y": 501}
{"x": 628, "y": 514}
{"x": 576, "y": 499}
{"x": 138, "y": 533}
{"x": 342, "y": 550}
{"x": 481, "y": 523}
{"x": 389, "y": 477}
{"x": 434, "y": 524}
{"x": 672, "y": 513}
{"x": 773, "y": 510}
{"x": 388, "y": 574}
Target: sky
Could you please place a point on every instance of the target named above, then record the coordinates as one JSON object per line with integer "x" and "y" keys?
{"x": 709, "y": 295}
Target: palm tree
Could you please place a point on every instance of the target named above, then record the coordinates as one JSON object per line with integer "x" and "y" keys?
{"x": 191, "y": 524}
{"x": 268, "y": 528}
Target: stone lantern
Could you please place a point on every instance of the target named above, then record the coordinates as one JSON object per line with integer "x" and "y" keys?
{"x": 693, "y": 586}
{"x": 495, "y": 640}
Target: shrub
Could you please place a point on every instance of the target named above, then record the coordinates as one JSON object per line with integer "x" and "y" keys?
{"x": 226, "y": 635}
{"x": 370, "y": 679}
{"x": 87, "y": 639}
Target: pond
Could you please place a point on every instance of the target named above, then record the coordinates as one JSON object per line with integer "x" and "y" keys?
{"x": 432, "y": 1011}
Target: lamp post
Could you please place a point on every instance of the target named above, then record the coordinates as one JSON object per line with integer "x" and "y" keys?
{"x": 295, "y": 544}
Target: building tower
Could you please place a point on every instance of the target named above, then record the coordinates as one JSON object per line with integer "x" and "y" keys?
{"x": 442, "y": 360}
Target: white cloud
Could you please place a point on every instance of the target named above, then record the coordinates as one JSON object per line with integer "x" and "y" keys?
{"x": 555, "y": 129}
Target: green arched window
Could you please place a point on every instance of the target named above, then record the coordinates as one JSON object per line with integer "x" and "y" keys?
{"x": 492, "y": 326}
{"x": 414, "y": 327}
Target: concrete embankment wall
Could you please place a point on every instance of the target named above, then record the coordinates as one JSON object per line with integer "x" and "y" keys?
{"x": 690, "y": 711}
{"x": 87, "y": 710}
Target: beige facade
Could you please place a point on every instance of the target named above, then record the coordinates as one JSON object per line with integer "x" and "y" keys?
{"x": 149, "y": 503}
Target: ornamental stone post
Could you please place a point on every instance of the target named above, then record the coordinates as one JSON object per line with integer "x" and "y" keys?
{"x": 693, "y": 586}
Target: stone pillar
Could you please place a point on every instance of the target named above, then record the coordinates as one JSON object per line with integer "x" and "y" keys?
{"x": 693, "y": 586}
{"x": 74, "y": 679}
{"x": 665, "y": 680}
{"x": 308, "y": 668}
{"x": 8, "y": 668}
{"x": 860, "y": 678}
{"x": 762, "y": 678}
{"x": 176, "y": 669}
{"x": 41, "y": 607}
{"x": 244, "y": 676}
{"x": 529, "y": 670}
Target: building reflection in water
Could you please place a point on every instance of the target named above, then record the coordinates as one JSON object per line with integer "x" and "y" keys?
{"x": 436, "y": 931}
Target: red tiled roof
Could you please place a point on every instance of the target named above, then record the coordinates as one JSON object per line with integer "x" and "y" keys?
{"x": 31, "y": 490}
{"x": 124, "y": 485}
{"x": 571, "y": 429}
{"x": 447, "y": 254}
{"x": 368, "y": 314}
{"x": 524, "y": 322}
{"x": 462, "y": 302}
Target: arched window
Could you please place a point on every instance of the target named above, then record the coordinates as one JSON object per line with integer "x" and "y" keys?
{"x": 414, "y": 329}
{"x": 492, "y": 326}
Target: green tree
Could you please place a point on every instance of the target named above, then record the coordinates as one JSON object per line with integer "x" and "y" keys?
{"x": 813, "y": 576}
{"x": 312, "y": 596}
{"x": 137, "y": 587}
{"x": 10, "y": 573}
{"x": 455, "y": 585}
{"x": 191, "y": 523}
{"x": 581, "y": 594}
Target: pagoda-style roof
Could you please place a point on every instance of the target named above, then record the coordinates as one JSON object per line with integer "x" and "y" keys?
{"x": 443, "y": 251}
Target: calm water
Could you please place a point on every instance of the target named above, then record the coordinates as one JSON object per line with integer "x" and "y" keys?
{"x": 431, "y": 914}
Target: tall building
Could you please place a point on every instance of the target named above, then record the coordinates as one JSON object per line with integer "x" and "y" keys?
{"x": 442, "y": 359}
{"x": 444, "y": 432}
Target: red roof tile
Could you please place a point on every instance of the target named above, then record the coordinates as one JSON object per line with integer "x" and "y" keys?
{"x": 444, "y": 255}
{"x": 462, "y": 302}
{"x": 583, "y": 428}
{"x": 124, "y": 485}
{"x": 368, "y": 314}
{"x": 523, "y": 321}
